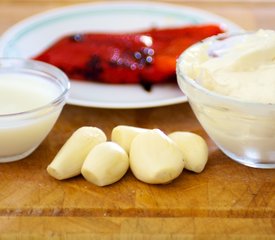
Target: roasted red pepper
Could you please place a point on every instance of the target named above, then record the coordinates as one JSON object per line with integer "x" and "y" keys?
{"x": 143, "y": 57}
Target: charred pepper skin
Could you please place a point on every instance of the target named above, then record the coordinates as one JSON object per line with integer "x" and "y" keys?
{"x": 145, "y": 58}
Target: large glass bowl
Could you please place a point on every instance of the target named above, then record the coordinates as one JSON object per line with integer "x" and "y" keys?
{"x": 244, "y": 131}
{"x": 32, "y": 96}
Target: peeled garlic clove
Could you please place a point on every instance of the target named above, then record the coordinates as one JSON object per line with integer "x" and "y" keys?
{"x": 68, "y": 161}
{"x": 124, "y": 135}
{"x": 155, "y": 158}
{"x": 105, "y": 164}
{"x": 194, "y": 149}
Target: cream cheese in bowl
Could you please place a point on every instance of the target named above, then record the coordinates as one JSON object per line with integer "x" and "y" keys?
{"x": 32, "y": 95}
{"x": 230, "y": 84}
{"x": 243, "y": 68}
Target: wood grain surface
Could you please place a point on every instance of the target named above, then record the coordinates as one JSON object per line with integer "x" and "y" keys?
{"x": 226, "y": 201}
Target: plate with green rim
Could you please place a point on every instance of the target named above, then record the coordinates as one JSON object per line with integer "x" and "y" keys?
{"x": 32, "y": 35}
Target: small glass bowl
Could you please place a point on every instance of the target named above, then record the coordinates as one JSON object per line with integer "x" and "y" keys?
{"x": 244, "y": 131}
{"x": 34, "y": 95}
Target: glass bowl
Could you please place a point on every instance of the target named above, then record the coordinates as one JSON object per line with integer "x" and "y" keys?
{"x": 32, "y": 95}
{"x": 243, "y": 130}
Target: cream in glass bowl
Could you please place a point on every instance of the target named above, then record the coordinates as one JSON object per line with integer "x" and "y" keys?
{"x": 32, "y": 95}
{"x": 229, "y": 81}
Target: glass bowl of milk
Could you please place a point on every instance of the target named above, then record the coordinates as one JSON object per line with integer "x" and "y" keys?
{"x": 229, "y": 81}
{"x": 32, "y": 95}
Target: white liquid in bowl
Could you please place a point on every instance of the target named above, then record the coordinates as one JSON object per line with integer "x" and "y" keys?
{"x": 21, "y": 133}
{"x": 22, "y": 92}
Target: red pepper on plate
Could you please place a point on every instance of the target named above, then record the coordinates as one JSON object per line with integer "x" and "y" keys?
{"x": 147, "y": 57}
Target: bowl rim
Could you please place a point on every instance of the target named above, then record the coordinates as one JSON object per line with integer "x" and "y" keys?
{"x": 50, "y": 71}
{"x": 225, "y": 99}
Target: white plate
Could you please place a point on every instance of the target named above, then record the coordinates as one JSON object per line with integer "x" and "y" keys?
{"x": 34, "y": 34}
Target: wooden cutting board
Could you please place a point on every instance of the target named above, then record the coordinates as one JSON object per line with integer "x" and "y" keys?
{"x": 225, "y": 198}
